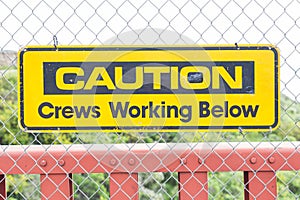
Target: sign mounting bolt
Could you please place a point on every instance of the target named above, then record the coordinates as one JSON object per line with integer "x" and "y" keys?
{"x": 131, "y": 161}
{"x": 253, "y": 160}
{"x": 200, "y": 161}
{"x": 43, "y": 163}
{"x": 113, "y": 162}
{"x": 61, "y": 162}
{"x": 271, "y": 159}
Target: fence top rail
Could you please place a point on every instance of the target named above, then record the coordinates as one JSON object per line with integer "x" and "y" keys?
{"x": 151, "y": 157}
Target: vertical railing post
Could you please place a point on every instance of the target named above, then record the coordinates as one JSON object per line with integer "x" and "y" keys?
{"x": 56, "y": 187}
{"x": 260, "y": 185}
{"x": 124, "y": 186}
{"x": 2, "y": 187}
{"x": 193, "y": 185}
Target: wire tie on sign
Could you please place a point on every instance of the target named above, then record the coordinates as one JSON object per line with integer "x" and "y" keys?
{"x": 241, "y": 130}
{"x": 55, "y": 42}
{"x": 236, "y": 45}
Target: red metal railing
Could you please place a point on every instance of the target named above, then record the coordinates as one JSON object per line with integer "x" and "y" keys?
{"x": 123, "y": 162}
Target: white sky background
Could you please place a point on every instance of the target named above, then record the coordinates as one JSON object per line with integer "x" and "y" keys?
{"x": 158, "y": 22}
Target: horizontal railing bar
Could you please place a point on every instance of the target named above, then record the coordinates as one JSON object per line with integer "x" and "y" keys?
{"x": 133, "y": 158}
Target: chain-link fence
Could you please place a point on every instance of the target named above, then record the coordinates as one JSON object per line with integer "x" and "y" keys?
{"x": 150, "y": 22}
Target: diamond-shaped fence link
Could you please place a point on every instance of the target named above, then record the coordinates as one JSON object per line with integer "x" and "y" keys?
{"x": 147, "y": 22}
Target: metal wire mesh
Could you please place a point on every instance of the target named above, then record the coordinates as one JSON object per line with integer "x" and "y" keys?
{"x": 150, "y": 22}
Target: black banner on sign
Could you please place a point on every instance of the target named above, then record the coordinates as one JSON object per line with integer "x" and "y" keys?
{"x": 149, "y": 77}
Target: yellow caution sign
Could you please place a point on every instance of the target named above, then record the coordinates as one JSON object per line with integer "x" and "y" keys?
{"x": 141, "y": 88}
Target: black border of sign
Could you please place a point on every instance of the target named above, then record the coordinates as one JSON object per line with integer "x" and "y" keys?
{"x": 147, "y": 128}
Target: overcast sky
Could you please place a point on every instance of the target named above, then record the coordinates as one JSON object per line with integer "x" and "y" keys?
{"x": 158, "y": 22}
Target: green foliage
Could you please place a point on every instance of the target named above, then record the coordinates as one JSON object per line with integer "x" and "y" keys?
{"x": 288, "y": 183}
{"x": 226, "y": 185}
{"x": 9, "y": 130}
{"x": 91, "y": 186}
{"x": 22, "y": 187}
{"x": 158, "y": 186}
